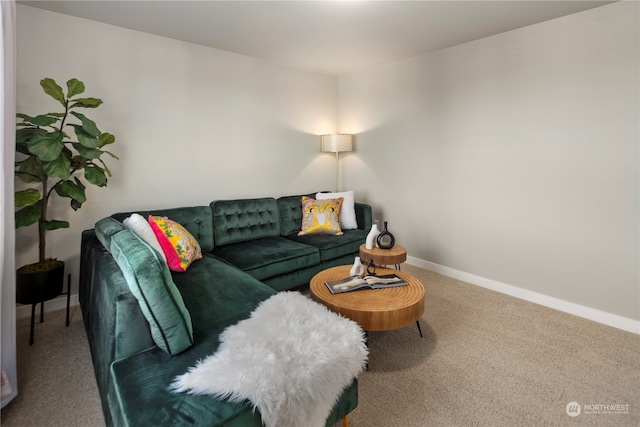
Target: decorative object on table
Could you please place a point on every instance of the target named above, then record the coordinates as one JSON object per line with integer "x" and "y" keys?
{"x": 328, "y": 361}
{"x": 370, "y": 241}
{"x": 367, "y": 282}
{"x": 385, "y": 240}
{"x": 357, "y": 269}
{"x": 336, "y": 143}
{"x": 51, "y": 159}
{"x": 371, "y": 268}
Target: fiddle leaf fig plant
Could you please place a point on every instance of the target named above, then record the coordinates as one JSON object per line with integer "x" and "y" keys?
{"x": 54, "y": 161}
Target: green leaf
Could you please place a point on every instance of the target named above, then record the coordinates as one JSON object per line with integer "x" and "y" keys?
{"x": 21, "y": 147}
{"x": 41, "y": 120}
{"x": 75, "y": 87}
{"x": 72, "y": 190}
{"x": 87, "y": 153}
{"x": 86, "y": 103}
{"x": 111, "y": 154}
{"x": 85, "y": 139}
{"x": 60, "y": 167}
{"x": 51, "y": 88}
{"x": 54, "y": 225}
{"x": 30, "y": 170}
{"x": 104, "y": 165}
{"x": 25, "y": 134}
{"x": 95, "y": 175}
{"x": 75, "y": 205}
{"x": 27, "y": 197}
{"x": 46, "y": 147}
{"x": 106, "y": 138}
{"x": 27, "y": 216}
{"x": 88, "y": 125}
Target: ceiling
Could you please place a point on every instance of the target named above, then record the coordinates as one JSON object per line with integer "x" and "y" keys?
{"x": 331, "y": 37}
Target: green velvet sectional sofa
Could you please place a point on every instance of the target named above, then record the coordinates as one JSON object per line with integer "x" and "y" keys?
{"x": 251, "y": 250}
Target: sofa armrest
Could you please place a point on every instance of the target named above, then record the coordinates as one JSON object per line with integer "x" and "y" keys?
{"x": 109, "y": 309}
{"x": 114, "y": 323}
{"x": 364, "y": 216}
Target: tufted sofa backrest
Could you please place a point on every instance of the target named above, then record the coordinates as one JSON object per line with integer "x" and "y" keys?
{"x": 245, "y": 219}
{"x": 196, "y": 219}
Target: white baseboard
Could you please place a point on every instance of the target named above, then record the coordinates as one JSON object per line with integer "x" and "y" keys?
{"x": 609, "y": 319}
{"x": 60, "y": 303}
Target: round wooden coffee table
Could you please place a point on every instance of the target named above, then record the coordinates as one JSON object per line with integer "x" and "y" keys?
{"x": 394, "y": 256}
{"x": 374, "y": 310}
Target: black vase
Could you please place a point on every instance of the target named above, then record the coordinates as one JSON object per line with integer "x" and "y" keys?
{"x": 385, "y": 240}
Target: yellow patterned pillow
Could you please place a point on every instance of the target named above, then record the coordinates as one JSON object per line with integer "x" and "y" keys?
{"x": 178, "y": 245}
{"x": 321, "y": 216}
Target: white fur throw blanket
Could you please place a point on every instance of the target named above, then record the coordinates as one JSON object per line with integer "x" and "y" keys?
{"x": 291, "y": 359}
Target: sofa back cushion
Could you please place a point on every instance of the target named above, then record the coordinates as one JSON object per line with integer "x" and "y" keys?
{"x": 106, "y": 228}
{"x": 195, "y": 219}
{"x": 290, "y": 208}
{"x": 243, "y": 220}
{"x": 150, "y": 282}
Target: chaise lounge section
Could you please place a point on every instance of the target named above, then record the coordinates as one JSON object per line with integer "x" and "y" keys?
{"x": 250, "y": 250}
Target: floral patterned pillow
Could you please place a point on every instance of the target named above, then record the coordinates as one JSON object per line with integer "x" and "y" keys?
{"x": 321, "y": 216}
{"x": 178, "y": 245}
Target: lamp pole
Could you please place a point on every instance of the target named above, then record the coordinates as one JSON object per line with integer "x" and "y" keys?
{"x": 337, "y": 171}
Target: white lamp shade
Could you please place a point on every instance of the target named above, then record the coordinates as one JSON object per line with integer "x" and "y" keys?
{"x": 336, "y": 142}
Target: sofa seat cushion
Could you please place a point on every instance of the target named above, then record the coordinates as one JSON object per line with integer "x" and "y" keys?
{"x": 269, "y": 256}
{"x": 142, "y": 386}
{"x": 331, "y": 247}
{"x": 291, "y": 358}
{"x": 217, "y": 293}
{"x": 142, "y": 383}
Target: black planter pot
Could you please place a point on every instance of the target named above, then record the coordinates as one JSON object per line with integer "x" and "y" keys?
{"x": 38, "y": 287}
{"x": 32, "y": 288}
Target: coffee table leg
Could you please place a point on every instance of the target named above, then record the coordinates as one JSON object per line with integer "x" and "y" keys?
{"x": 419, "y": 328}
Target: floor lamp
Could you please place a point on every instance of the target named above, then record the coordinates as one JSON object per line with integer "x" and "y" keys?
{"x": 336, "y": 143}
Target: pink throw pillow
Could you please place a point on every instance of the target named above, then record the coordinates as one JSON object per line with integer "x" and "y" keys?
{"x": 178, "y": 245}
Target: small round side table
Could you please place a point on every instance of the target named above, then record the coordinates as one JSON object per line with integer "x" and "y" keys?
{"x": 394, "y": 256}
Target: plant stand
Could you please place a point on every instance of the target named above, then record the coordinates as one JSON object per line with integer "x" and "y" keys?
{"x": 30, "y": 294}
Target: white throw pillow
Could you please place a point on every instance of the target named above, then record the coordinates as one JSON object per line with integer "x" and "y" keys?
{"x": 348, "y": 211}
{"x": 141, "y": 227}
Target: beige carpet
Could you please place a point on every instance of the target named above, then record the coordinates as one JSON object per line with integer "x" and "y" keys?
{"x": 486, "y": 359}
{"x": 56, "y": 383}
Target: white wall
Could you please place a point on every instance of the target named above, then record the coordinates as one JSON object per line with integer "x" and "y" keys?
{"x": 513, "y": 158}
{"x": 192, "y": 124}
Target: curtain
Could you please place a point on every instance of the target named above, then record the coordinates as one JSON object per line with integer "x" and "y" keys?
{"x": 7, "y": 228}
